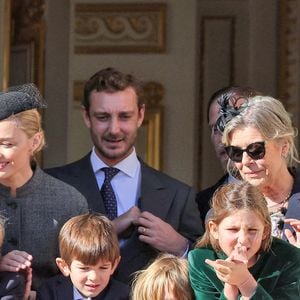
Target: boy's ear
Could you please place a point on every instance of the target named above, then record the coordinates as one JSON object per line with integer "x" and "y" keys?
{"x": 115, "y": 265}
{"x": 63, "y": 266}
{"x": 213, "y": 229}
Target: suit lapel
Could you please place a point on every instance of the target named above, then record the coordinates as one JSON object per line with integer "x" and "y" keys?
{"x": 154, "y": 192}
{"x": 84, "y": 174}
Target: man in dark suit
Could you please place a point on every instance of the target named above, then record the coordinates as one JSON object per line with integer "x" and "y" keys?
{"x": 155, "y": 213}
{"x": 234, "y": 94}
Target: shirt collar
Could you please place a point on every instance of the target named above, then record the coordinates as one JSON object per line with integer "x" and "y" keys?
{"x": 78, "y": 296}
{"x": 129, "y": 165}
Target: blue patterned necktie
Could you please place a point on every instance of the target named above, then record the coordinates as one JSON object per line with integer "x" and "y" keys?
{"x": 108, "y": 195}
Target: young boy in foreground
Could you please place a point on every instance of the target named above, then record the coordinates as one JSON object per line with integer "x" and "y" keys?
{"x": 89, "y": 255}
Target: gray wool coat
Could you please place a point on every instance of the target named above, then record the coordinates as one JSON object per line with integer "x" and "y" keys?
{"x": 35, "y": 215}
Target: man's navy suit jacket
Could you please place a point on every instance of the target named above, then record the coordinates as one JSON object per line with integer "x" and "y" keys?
{"x": 163, "y": 196}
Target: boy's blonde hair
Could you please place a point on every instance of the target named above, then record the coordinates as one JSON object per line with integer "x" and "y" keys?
{"x": 88, "y": 238}
{"x": 167, "y": 272}
{"x": 226, "y": 201}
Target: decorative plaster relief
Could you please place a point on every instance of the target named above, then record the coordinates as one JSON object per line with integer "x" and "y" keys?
{"x": 115, "y": 28}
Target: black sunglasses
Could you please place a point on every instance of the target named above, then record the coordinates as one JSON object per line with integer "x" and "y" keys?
{"x": 255, "y": 150}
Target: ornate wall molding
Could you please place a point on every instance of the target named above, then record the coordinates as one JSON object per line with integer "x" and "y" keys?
{"x": 28, "y": 45}
{"x": 119, "y": 27}
{"x": 28, "y": 40}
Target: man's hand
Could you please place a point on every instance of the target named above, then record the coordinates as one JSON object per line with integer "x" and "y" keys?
{"x": 123, "y": 224}
{"x": 160, "y": 235}
{"x": 15, "y": 261}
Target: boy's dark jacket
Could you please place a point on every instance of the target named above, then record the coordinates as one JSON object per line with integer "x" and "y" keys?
{"x": 61, "y": 288}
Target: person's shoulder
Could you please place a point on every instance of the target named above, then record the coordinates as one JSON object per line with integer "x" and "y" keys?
{"x": 56, "y": 190}
{"x": 116, "y": 290}
{"x": 68, "y": 168}
{"x": 55, "y": 183}
{"x": 198, "y": 255}
{"x": 51, "y": 286}
{"x": 212, "y": 188}
{"x": 55, "y": 281}
{"x": 284, "y": 249}
{"x": 116, "y": 284}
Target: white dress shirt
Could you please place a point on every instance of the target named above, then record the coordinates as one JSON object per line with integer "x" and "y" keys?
{"x": 126, "y": 183}
{"x": 78, "y": 296}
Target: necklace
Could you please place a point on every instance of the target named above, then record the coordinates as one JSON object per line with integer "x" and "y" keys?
{"x": 277, "y": 214}
{"x": 281, "y": 203}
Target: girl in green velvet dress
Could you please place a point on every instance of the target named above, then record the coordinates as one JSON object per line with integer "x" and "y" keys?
{"x": 237, "y": 257}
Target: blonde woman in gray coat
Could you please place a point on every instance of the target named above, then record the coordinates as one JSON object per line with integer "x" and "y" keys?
{"x": 34, "y": 203}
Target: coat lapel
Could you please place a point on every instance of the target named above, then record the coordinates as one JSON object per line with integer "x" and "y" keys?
{"x": 83, "y": 173}
{"x": 154, "y": 192}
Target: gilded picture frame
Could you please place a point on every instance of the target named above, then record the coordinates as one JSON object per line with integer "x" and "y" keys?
{"x": 119, "y": 28}
{"x": 5, "y": 28}
{"x": 149, "y": 140}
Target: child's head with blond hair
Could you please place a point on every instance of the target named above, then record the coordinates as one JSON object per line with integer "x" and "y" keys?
{"x": 89, "y": 252}
{"x": 165, "y": 278}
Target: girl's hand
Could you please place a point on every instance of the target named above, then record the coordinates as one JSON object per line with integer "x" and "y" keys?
{"x": 232, "y": 272}
{"x": 239, "y": 254}
{"x": 289, "y": 235}
{"x": 231, "y": 292}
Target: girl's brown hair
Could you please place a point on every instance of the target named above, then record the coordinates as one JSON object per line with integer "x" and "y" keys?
{"x": 227, "y": 200}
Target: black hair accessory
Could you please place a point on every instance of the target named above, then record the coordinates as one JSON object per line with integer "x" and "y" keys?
{"x": 230, "y": 107}
{"x": 20, "y": 98}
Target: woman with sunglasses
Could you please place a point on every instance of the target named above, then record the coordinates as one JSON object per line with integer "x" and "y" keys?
{"x": 259, "y": 140}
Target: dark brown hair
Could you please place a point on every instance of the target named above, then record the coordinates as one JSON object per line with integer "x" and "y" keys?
{"x": 111, "y": 80}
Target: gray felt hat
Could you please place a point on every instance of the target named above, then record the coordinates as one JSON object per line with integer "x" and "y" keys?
{"x": 20, "y": 98}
